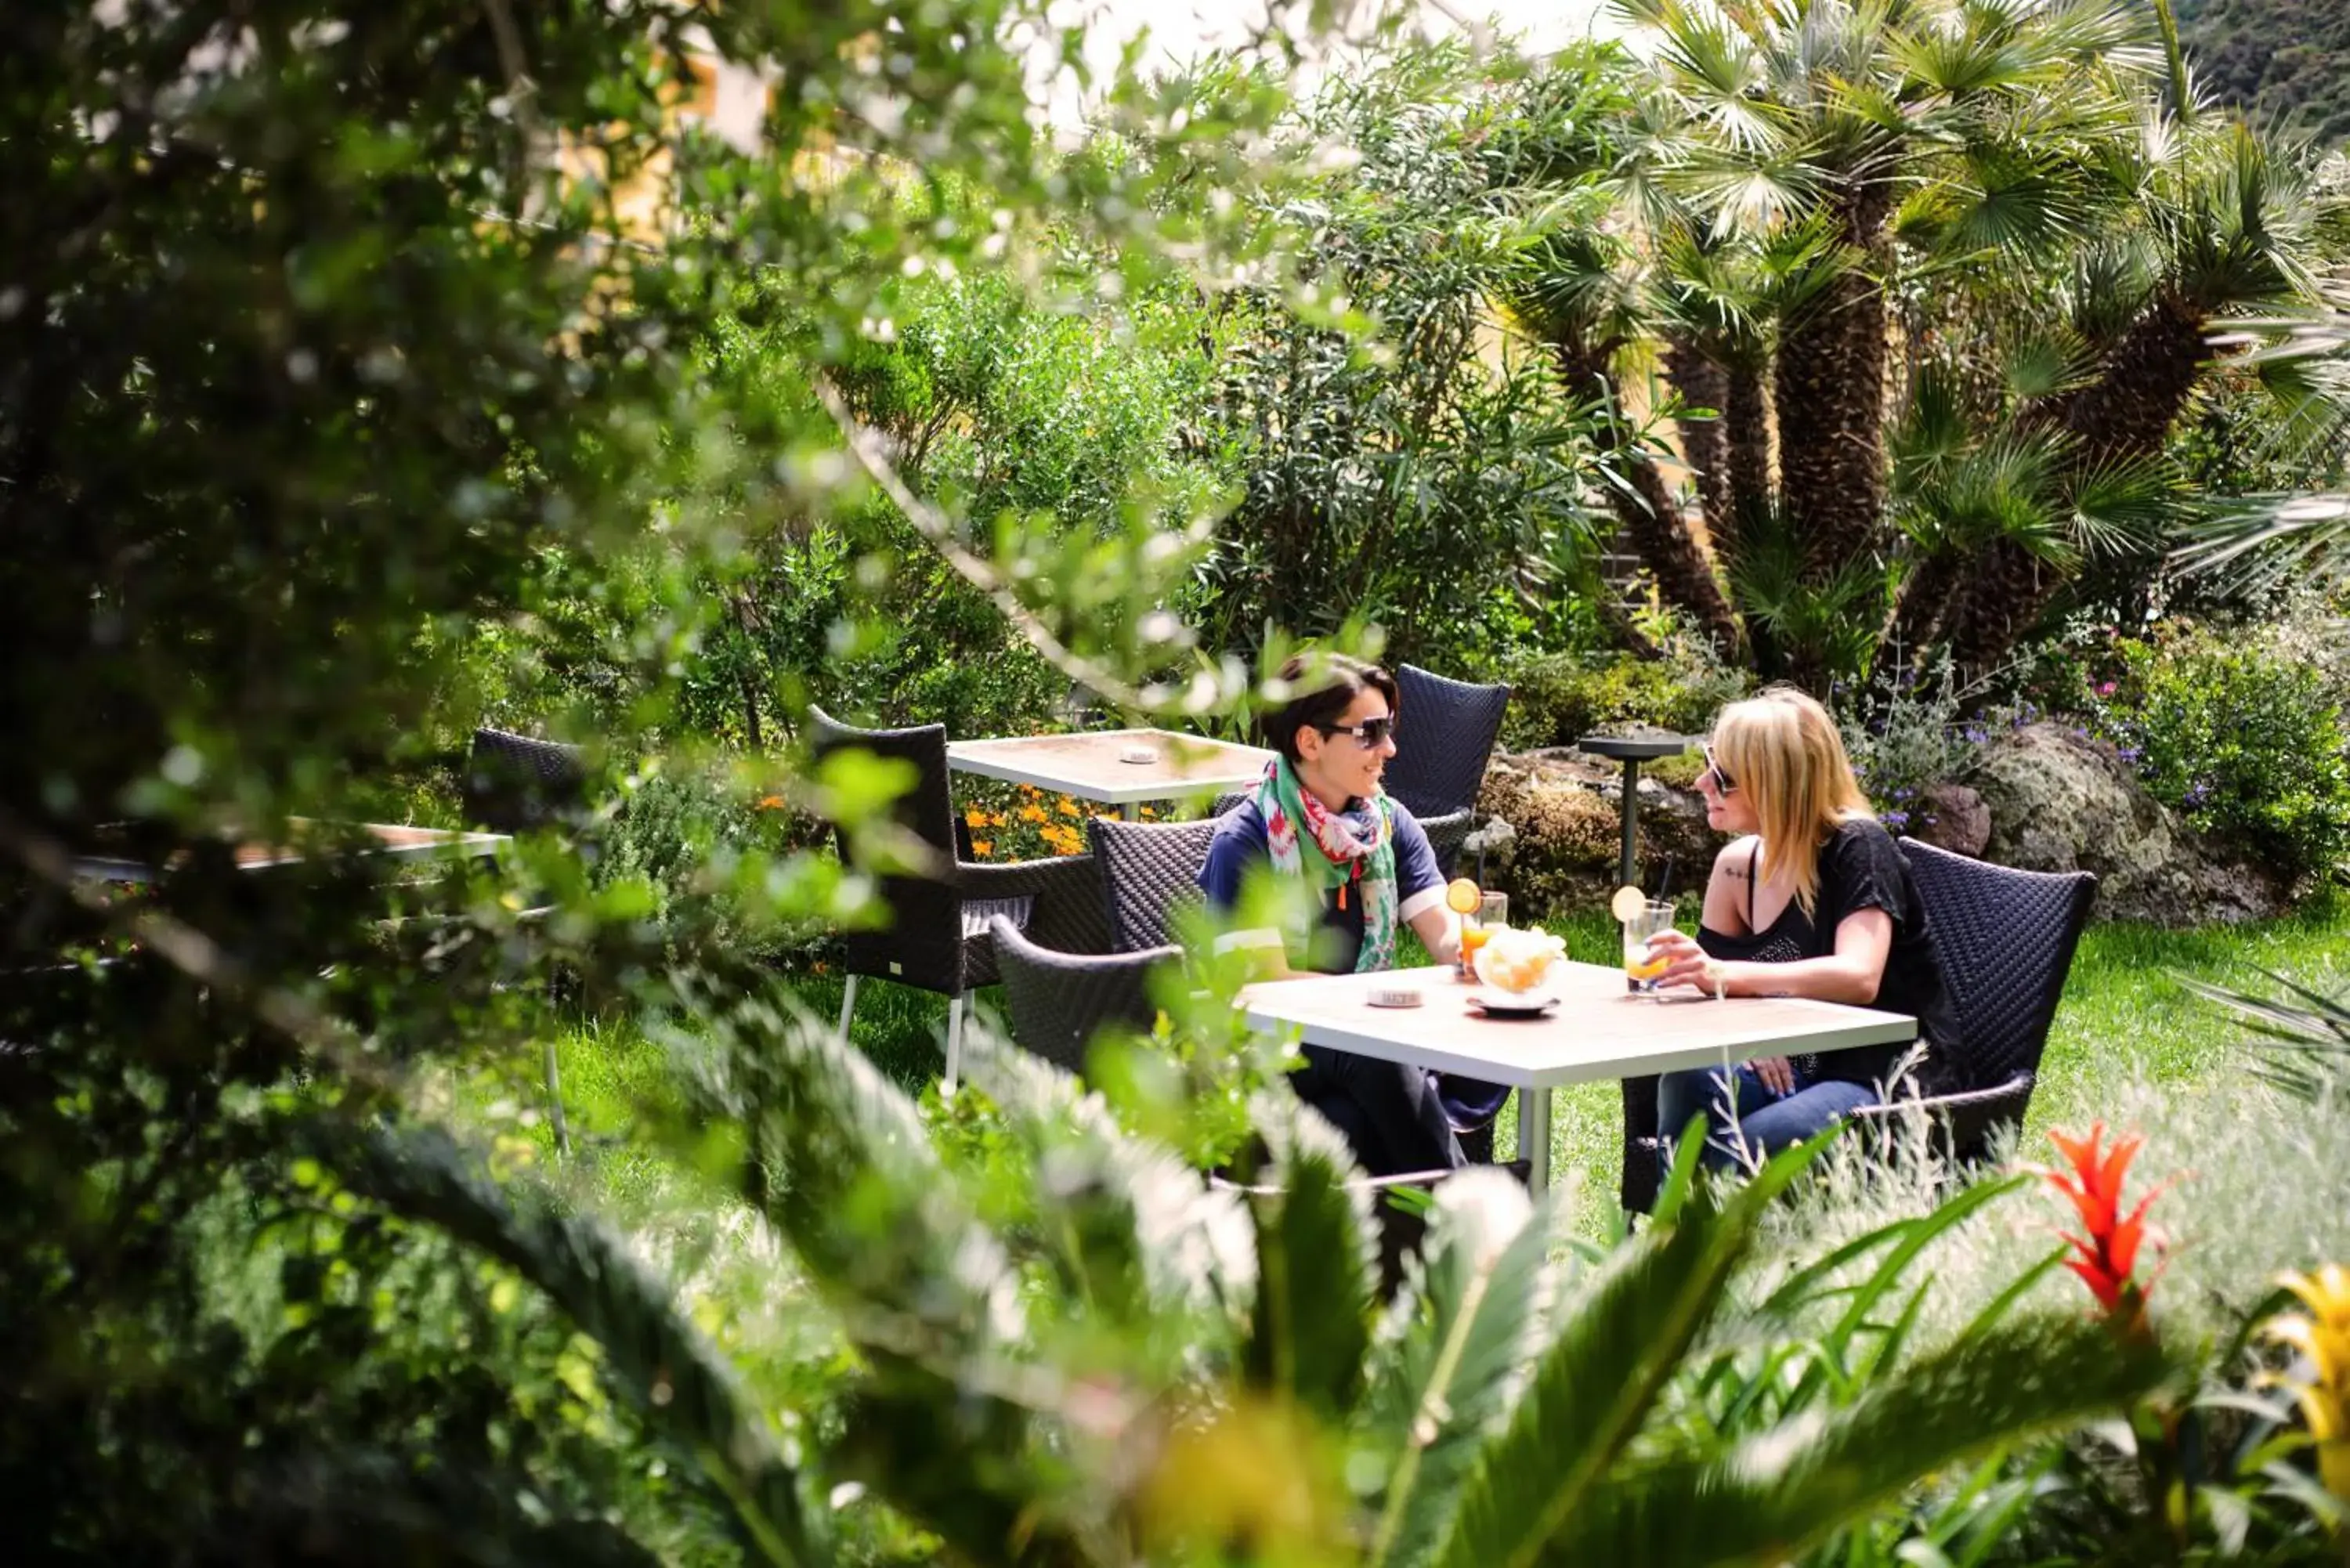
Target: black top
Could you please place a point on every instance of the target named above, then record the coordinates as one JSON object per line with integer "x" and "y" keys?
{"x": 1861, "y": 868}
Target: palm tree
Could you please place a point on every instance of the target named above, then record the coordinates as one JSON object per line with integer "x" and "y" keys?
{"x": 1828, "y": 205}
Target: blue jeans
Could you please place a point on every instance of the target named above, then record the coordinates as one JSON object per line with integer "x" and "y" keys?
{"x": 1767, "y": 1123}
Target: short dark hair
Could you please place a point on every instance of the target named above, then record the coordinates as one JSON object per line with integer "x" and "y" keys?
{"x": 1336, "y": 681}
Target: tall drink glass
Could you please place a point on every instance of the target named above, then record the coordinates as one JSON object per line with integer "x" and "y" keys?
{"x": 1477, "y": 929}
{"x": 1640, "y": 968}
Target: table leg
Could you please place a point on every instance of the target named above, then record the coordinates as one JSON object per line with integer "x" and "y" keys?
{"x": 1131, "y": 811}
{"x": 1628, "y": 812}
{"x": 1533, "y": 1138}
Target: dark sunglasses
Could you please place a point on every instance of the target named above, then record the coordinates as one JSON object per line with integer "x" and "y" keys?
{"x": 1369, "y": 734}
{"x": 1722, "y": 782}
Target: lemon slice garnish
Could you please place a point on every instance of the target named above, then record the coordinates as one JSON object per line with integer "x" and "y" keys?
{"x": 1627, "y": 902}
{"x": 1462, "y": 896}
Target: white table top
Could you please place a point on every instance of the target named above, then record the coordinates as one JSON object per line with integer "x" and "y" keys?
{"x": 392, "y": 841}
{"x": 1090, "y": 765}
{"x": 1598, "y": 1030}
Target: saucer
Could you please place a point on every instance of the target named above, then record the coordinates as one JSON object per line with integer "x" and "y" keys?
{"x": 1511, "y": 1004}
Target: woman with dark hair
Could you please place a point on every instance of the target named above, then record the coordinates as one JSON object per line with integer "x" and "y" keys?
{"x": 1320, "y": 816}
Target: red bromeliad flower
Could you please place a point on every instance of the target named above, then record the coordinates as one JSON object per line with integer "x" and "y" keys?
{"x": 2108, "y": 1245}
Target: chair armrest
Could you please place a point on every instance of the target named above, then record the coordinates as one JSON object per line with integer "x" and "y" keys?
{"x": 1970, "y": 1115}
{"x": 1069, "y": 916}
{"x": 1360, "y": 1184}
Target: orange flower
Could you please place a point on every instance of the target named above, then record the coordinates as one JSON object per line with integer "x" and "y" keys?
{"x": 1147, "y": 813}
{"x": 771, "y": 803}
{"x": 982, "y": 847}
{"x": 1033, "y": 814}
{"x": 975, "y": 817}
{"x": 2108, "y": 1245}
{"x": 1069, "y": 808}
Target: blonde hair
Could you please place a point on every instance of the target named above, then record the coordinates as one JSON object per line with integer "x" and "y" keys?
{"x": 1783, "y": 752}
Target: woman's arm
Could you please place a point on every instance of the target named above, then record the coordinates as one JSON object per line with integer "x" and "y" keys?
{"x": 1852, "y": 974}
{"x": 1437, "y": 933}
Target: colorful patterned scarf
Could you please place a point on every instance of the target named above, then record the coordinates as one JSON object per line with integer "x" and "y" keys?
{"x": 1352, "y": 850}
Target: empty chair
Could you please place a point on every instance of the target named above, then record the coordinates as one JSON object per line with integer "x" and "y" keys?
{"x": 514, "y": 782}
{"x": 2005, "y": 939}
{"x": 1149, "y": 870}
{"x": 1444, "y": 733}
{"x": 937, "y": 936}
{"x": 1059, "y": 1002}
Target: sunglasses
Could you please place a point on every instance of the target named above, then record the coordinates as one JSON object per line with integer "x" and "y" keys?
{"x": 1368, "y": 734}
{"x": 1722, "y": 782}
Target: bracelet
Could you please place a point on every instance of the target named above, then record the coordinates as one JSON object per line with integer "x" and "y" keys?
{"x": 1717, "y": 976}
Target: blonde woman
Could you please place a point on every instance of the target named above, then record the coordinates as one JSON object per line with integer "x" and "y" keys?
{"x": 1811, "y": 899}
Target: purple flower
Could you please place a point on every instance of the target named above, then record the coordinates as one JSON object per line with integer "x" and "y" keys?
{"x": 1894, "y": 820}
{"x": 2129, "y": 754}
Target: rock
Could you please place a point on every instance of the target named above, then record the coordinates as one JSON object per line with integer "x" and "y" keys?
{"x": 1953, "y": 817}
{"x": 1564, "y": 806}
{"x": 2061, "y": 802}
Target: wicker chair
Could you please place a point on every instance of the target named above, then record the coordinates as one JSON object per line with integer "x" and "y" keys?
{"x": 1059, "y": 1002}
{"x": 514, "y": 784}
{"x": 2005, "y": 939}
{"x": 1149, "y": 870}
{"x": 1445, "y": 731}
{"x": 937, "y": 938}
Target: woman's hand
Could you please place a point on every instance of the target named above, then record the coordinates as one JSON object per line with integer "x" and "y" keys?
{"x": 1685, "y": 962}
{"x": 1778, "y": 1075}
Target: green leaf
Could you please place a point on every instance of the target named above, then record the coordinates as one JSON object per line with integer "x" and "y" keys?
{"x": 1455, "y": 1345}
{"x": 1618, "y": 1344}
{"x": 1316, "y": 1264}
{"x": 1776, "y": 1493}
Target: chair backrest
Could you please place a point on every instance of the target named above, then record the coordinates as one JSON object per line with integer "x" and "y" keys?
{"x": 925, "y": 934}
{"x": 1444, "y": 735}
{"x": 1059, "y": 1002}
{"x": 514, "y": 782}
{"x": 1147, "y": 870}
{"x": 2005, "y": 939}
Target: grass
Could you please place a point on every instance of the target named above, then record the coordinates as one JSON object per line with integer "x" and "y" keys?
{"x": 2125, "y": 1019}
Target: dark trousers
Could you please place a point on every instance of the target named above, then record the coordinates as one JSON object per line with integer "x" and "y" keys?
{"x": 1394, "y": 1117}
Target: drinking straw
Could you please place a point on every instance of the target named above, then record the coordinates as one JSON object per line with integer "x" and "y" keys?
{"x": 1664, "y": 880}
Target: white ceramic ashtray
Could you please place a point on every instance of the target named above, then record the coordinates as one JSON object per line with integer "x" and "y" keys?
{"x": 1396, "y": 996}
{"x": 1138, "y": 754}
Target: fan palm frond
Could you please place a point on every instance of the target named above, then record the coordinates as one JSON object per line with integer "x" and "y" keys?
{"x": 2302, "y": 1041}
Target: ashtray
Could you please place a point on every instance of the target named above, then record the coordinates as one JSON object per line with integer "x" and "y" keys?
{"x": 1138, "y": 754}
{"x": 1395, "y": 996}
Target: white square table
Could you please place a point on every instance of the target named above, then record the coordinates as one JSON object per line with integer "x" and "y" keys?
{"x": 1598, "y": 1031}
{"x": 1092, "y": 766}
{"x": 391, "y": 841}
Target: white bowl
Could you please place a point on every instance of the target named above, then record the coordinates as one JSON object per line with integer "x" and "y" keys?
{"x": 1547, "y": 984}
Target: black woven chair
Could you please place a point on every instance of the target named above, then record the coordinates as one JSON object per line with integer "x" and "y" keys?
{"x": 1444, "y": 732}
{"x": 2005, "y": 939}
{"x": 513, "y": 783}
{"x": 1149, "y": 870}
{"x": 937, "y": 936}
{"x": 1059, "y": 1002}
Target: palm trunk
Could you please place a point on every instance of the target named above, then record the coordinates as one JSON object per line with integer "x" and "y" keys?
{"x": 1703, "y": 384}
{"x": 1831, "y": 402}
{"x": 1648, "y": 515}
{"x": 2126, "y": 414}
{"x": 1747, "y": 439}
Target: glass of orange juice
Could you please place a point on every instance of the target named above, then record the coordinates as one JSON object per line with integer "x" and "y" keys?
{"x": 1640, "y": 969}
{"x": 1478, "y": 926}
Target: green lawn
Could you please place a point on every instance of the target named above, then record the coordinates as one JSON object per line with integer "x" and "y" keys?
{"x": 2124, "y": 1017}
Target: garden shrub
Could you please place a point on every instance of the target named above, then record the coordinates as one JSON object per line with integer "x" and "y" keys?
{"x": 2246, "y": 742}
{"x": 1556, "y": 699}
